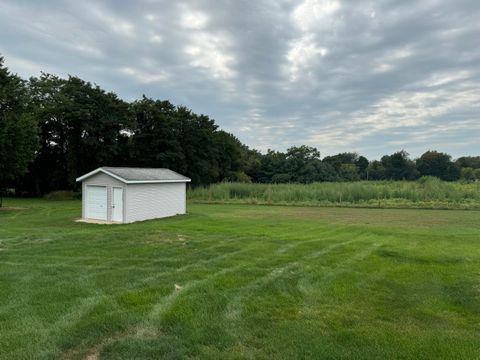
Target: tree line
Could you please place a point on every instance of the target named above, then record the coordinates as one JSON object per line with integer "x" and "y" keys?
{"x": 303, "y": 164}
{"x": 53, "y": 130}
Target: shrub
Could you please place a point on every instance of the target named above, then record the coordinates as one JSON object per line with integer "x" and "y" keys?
{"x": 62, "y": 195}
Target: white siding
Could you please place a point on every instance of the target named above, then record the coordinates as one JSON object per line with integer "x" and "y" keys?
{"x": 150, "y": 201}
{"x": 103, "y": 180}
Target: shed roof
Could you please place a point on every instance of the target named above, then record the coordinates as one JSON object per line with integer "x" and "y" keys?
{"x": 131, "y": 175}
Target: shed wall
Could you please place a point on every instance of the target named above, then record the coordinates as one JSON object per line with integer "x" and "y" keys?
{"x": 150, "y": 201}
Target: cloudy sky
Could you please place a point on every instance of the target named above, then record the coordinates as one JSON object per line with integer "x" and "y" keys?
{"x": 366, "y": 76}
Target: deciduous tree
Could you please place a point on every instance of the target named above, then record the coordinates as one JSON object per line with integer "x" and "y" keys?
{"x": 18, "y": 130}
{"x": 399, "y": 166}
{"x": 434, "y": 163}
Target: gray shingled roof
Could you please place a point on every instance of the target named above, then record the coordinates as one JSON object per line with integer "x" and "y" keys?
{"x": 145, "y": 174}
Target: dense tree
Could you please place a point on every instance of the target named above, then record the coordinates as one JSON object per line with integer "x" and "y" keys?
{"x": 81, "y": 127}
{"x": 18, "y": 130}
{"x": 156, "y": 128}
{"x": 303, "y": 165}
{"x": 477, "y": 174}
{"x": 343, "y": 158}
{"x": 273, "y": 163}
{"x": 434, "y": 163}
{"x": 349, "y": 165}
{"x": 375, "y": 171}
{"x": 199, "y": 147}
{"x": 362, "y": 166}
{"x": 399, "y": 166}
{"x": 327, "y": 173}
{"x": 349, "y": 172}
{"x": 251, "y": 163}
{"x": 468, "y": 174}
{"x": 300, "y": 164}
{"x": 230, "y": 157}
{"x": 185, "y": 142}
{"x": 469, "y": 161}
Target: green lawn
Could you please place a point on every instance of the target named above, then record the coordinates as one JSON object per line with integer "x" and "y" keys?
{"x": 257, "y": 282}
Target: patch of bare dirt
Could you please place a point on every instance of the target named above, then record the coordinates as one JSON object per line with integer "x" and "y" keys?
{"x": 93, "y": 355}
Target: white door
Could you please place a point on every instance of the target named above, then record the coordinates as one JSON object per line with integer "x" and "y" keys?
{"x": 117, "y": 204}
{"x": 96, "y": 202}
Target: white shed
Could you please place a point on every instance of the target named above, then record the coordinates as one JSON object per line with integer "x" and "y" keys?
{"x": 125, "y": 195}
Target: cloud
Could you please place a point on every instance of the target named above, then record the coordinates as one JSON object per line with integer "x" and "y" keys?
{"x": 145, "y": 77}
{"x": 208, "y": 51}
{"x": 301, "y": 55}
{"x": 315, "y": 13}
{"x": 361, "y": 75}
{"x": 192, "y": 19}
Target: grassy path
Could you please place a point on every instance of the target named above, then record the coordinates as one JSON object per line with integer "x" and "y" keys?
{"x": 254, "y": 282}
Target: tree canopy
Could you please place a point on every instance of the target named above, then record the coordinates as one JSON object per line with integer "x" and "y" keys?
{"x": 18, "y": 131}
{"x": 399, "y": 166}
{"x": 81, "y": 127}
{"x": 434, "y": 163}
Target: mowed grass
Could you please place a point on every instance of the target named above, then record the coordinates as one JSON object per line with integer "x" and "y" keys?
{"x": 254, "y": 282}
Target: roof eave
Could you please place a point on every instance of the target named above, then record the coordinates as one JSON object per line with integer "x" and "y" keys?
{"x": 96, "y": 171}
{"x": 156, "y": 181}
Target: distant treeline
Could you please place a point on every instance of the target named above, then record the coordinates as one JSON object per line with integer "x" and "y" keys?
{"x": 53, "y": 130}
{"x": 303, "y": 165}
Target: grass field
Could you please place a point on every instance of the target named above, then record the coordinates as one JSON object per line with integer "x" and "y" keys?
{"x": 426, "y": 193}
{"x": 253, "y": 282}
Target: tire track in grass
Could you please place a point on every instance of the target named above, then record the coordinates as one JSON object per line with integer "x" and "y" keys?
{"x": 8, "y": 239}
{"x": 105, "y": 267}
{"x": 344, "y": 267}
{"x": 234, "y": 309}
{"x": 336, "y": 232}
{"x": 16, "y": 243}
{"x": 112, "y": 261}
{"x": 76, "y": 313}
{"x": 199, "y": 263}
{"x": 202, "y": 262}
{"x": 158, "y": 310}
{"x": 252, "y": 247}
{"x": 167, "y": 302}
{"x": 15, "y": 213}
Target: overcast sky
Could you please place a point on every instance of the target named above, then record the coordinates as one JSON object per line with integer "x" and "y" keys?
{"x": 367, "y": 76}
